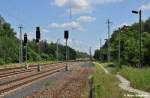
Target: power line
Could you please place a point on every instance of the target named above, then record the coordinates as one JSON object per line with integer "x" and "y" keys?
{"x": 16, "y": 18}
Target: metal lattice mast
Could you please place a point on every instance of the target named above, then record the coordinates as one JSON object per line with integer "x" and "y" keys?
{"x": 21, "y": 47}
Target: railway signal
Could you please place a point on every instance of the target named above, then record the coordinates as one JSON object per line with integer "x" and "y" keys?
{"x": 25, "y": 39}
{"x": 25, "y": 50}
{"x": 38, "y": 36}
{"x": 66, "y": 36}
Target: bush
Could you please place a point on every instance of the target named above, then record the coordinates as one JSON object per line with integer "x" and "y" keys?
{"x": 2, "y": 62}
{"x": 44, "y": 56}
{"x": 111, "y": 65}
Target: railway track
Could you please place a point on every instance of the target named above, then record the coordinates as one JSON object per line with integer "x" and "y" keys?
{"x": 22, "y": 67}
{"x": 11, "y": 85}
{"x": 14, "y": 71}
{"x": 16, "y": 78}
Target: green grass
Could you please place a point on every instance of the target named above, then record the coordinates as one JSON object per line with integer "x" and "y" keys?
{"x": 106, "y": 85}
{"x": 139, "y": 78}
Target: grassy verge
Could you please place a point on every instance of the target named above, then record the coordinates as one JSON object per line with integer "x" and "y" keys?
{"x": 106, "y": 85}
{"x": 139, "y": 78}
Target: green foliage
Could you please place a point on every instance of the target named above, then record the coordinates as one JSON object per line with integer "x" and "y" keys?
{"x": 1, "y": 61}
{"x": 97, "y": 54}
{"x": 129, "y": 39}
{"x": 81, "y": 55}
{"x": 9, "y": 47}
{"x": 8, "y": 43}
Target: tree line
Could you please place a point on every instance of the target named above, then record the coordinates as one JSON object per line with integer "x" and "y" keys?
{"x": 129, "y": 45}
{"x": 9, "y": 47}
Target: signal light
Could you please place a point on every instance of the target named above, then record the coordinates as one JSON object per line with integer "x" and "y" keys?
{"x": 38, "y": 35}
{"x": 25, "y": 39}
{"x": 66, "y": 34}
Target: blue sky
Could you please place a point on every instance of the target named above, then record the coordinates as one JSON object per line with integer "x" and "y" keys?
{"x": 87, "y": 23}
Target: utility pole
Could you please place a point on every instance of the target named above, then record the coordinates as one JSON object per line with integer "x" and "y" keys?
{"x": 21, "y": 47}
{"x": 100, "y": 56}
{"x": 108, "y": 42}
{"x": 119, "y": 48}
{"x": 140, "y": 35}
{"x": 70, "y": 20}
{"x": 140, "y": 21}
{"x": 57, "y": 50}
{"x": 90, "y": 52}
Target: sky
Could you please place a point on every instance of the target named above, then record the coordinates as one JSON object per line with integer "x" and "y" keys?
{"x": 85, "y": 19}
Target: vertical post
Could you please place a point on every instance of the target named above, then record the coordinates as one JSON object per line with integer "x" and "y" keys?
{"x": 21, "y": 48}
{"x": 26, "y": 58}
{"x": 39, "y": 66}
{"x": 25, "y": 50}
{"x": 140, "y": 36}
{"x": 91, "y": 87}
{"x": 140, "y": 24}
{"x": 57, "y": 50}
{"x": 38, "y": 36}
{"x": 66, "y": 55}
{"x": 90, "y": 53}
{"x": 108, "y": 53}
{"x": 119, "y": 48}
{"x": 100, "y": 50}
{"x": 66, "y": 36}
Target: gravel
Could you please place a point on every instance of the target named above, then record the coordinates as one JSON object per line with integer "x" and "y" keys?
{"x": 36, "y": 86}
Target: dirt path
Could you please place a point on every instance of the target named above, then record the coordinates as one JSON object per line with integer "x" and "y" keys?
{"x": 125, "y": 85}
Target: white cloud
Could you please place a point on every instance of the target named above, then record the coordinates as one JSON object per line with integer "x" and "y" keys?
{"x": 77, "y": 6}
{"x": 60, "y": 3}
{"x": 32, "y": 35}
{"x": 75, "y": 25}
{"x": 80, "y": 6}
{"x": 105, "y": 1}
{"x": 68, "y": 25}
{"x": 145, "y": 7}
{"x": 44, "y": 30}
{"x": 86, "y": 19}
{"x": 123, "y": 24}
